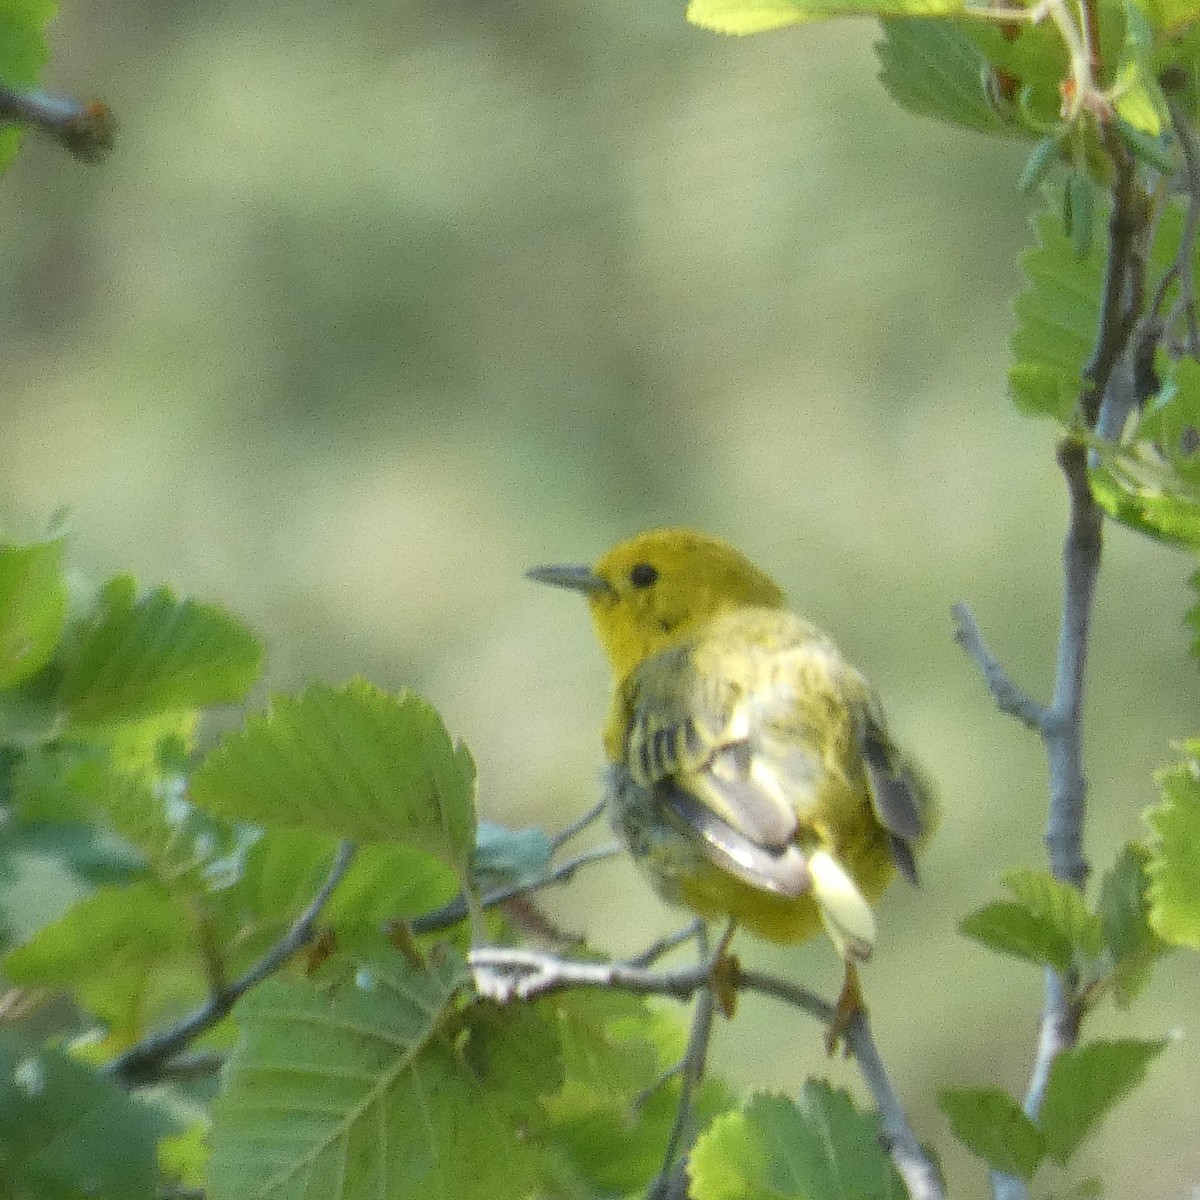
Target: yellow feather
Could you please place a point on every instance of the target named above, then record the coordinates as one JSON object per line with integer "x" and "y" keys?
{"x": 751, "y": 774}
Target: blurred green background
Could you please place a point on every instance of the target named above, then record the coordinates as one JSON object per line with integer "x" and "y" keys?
{"x": 376, "y": 305}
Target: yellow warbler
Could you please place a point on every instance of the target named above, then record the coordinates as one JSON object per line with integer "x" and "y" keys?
{"x": 751, "y": 773}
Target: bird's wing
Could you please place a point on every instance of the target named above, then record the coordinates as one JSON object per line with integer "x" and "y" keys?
{"x": 899, "y": 796}
{"x": 692, "y": 738}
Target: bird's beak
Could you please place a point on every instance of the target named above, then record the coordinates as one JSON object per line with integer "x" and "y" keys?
{"x": 578, "y": 579}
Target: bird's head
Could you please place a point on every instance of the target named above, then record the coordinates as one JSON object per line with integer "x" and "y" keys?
{"x": 647, "y": 592}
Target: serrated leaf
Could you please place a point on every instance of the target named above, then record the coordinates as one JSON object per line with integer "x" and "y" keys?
{"x": 1084, "y": 1084}
{"x": 362, "y": 1093}
{"x": 355, "y": 762}
{"x": 774, "y": 1149}
{"x": 614, "y": 1113}
{"x": 932, "y": 68}
{"x": 1174, "y": 866}
{"x": 1171, "y": 422}
{"x": 758, "y": 16}
{"x": 1059, "y": 903}
{"x": 1012, "y": 929}
{"x": 1124, "y": 914}
{"x": 1142, "y": 501}
{"x": 1057, "y": 314}
{"x": 118, "y": 951}
{"x": 33, "y": 608}
{"x": 66, "y": 1131}
{"x": 156, "y": 654}
{"x": 990, "y": 1123}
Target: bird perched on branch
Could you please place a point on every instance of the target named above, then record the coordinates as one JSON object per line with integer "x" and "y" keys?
{"x": 751, "y": 773}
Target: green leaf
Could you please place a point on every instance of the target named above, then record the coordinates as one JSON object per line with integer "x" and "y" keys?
{"x": 1171, "y": 418}
{"x": 66, "y": 1131}
{"x": 990, "y": 1123}
{"x": 1124, "y": 916}
{"x": 1171, "y": 16}
{"x": 23, "y": 52}
{"x": 1193, "y": 616}
{"x": 156, "y": 654}
{"x": 934, "y": 70}
{"x": 38, "y": 882}
{"x": 1084, "y": 1084}
{"x": 1012, "y": 929}
{"x": 614, "y": 1113}
{"x": 1139, "y": 99}
{"x": 1079, "y": 211}
{"x": 1057, "y": 316}
{"x": 364, "y": 1093}
{"x": 388, "y": 883}
{"x": 1042, "y": 158}
{"x": 354, "y": 762}
{"x": 1174, "y": 866}
{"x": 776, "y": 1150}
{"x": 758, "y": 16}
{"x": 1143, "y": 497}
{"x": 119, "y": 952}
{"x": 1060, "y": 904}
{"x": 33, "y": 607}
{"x": 183, "y": 1157}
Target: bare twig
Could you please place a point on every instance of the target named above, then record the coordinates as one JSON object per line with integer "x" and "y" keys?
{"x": 191, "y": 1066}
{"x": 1123, "y": 269}
{"x": 695, "y": 1057}
{"x": 456, "y": 910}
{"x": 656, "y": 949}
{"x": 1110, "y": 384}
{"x": 1063, "y": 736}
{"x": 578, "y": 826}
{"x": 144, "y": 1062}
{"x": 914, "y": 1165}
{"x": 1009, "y": 698}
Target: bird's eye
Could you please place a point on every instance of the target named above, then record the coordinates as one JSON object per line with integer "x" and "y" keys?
{"x": 643, "y": 575}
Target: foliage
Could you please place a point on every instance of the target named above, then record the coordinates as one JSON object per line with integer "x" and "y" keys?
{"x": 296, "y": 904}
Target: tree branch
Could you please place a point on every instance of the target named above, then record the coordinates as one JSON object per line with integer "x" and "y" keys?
{"x": 450, "y": 914}
{"x": 1110, "y": 379}
{"x": 504, "y": 974}
{"x": 144, "y": 1062}
{"x": 1009, "y": 698}
{"x": 914, "y": 1165}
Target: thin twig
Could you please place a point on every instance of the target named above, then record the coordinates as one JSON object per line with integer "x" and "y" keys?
{"x": 143, "y": 1062}
{"x": 663, "y": 945}
{"x": 1126, "y": 223}
{"x": 914, "y": 1165}
{"x": 565, "y": 835}
{"x": 1009, "y": 698}
{"x": 695, "y": 1056}
{"x": 456, "y": 910}
{"x": 1110, "y": 375}
{"x": 191, "y": 1066}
